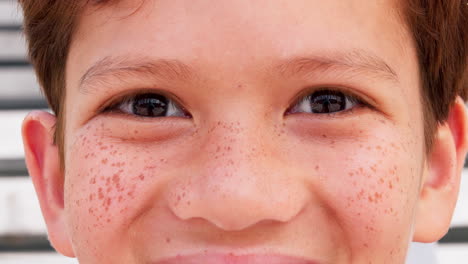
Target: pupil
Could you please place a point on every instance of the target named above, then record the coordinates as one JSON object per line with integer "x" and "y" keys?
{"x": 150, "y": 105}
{"x": 323, "y": 102}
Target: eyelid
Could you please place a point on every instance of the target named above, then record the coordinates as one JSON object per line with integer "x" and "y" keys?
{"x": 362, "y": 99}
{"x": 126, "y": 96}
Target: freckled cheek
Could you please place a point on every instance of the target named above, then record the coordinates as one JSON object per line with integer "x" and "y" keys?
{"x": 105, "y": 182}
{"x": 367, "y": 181}
{"x": 373, "y": 190}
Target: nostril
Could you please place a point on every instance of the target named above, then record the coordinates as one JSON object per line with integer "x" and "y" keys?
{"x": 236, "y": 212}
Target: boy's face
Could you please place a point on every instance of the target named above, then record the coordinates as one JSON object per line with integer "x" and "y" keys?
{"x": 262, "y": 150}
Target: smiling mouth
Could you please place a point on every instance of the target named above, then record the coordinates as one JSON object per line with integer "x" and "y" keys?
{"x": 233, "y": 259}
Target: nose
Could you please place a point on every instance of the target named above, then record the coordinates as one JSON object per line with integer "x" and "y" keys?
{"x": 238, "y": 177}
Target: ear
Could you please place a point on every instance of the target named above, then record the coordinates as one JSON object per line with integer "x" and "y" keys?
{"x": 441, "y": 179}
{"x": 43, "y": 162}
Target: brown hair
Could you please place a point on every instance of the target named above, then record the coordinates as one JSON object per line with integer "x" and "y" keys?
{"x": 439, "y": 29}
{"x": 48, "y": 26}
{"x": 440, "y": 32}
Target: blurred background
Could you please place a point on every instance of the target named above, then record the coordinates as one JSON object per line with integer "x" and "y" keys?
{"x": 23, "y": 236}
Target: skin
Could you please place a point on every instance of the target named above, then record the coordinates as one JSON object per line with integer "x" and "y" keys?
{"x": 242, "y": 175}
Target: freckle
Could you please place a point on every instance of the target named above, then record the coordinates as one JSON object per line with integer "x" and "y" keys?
{"x": 351, "y": 174}
{"x": 390, "y": 185}
{"x": 324, "y": 136}
{"x": 317, "y": 167}
{"x": 116, "y": 178}
{"x": 188, "y": 202}
{"x": 136, "y": 131}
{"x": 378, "y": 147}
{"x": 377, "y": 196}
{"x": 381, "y": 180}
{"x": 104, "y": 161}
{"x": 168, "y": 240}
{"x": 86, "y": 156}
{"x": 108, "y": 201}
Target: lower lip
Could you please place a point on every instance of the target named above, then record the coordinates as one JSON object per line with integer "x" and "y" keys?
{"x": 232, "y": 259}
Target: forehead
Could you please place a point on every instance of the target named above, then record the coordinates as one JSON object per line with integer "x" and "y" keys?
{"x": 226, "y": 31}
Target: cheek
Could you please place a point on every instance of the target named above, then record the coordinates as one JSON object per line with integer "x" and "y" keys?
{"x": 367, "y": 176}
{"x": 373, "y": 188}
{"x": 106, "y": 182}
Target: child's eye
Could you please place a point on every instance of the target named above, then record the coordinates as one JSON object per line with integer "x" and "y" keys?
{"x": 147, "y": 105}
{"x": 325, "y": 102}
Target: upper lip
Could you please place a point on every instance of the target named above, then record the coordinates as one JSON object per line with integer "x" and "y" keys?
{"x": 234, "y": 259}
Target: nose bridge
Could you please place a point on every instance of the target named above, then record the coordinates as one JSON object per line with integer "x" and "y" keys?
{"x": 238, "y": 178}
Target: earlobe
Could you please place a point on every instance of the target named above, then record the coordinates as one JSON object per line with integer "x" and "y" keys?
{"x": 43, "y": 162}
{"x": 441, "y": 184}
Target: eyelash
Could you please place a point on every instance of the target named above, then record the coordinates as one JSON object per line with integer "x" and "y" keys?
{"x": 118, "y": 105}
{"x": 349, "y": 98}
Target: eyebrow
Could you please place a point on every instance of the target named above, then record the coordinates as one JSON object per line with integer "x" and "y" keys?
{"x": 121, "y": 67}
{"x": 357, "y": 62}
